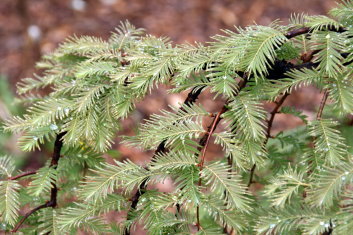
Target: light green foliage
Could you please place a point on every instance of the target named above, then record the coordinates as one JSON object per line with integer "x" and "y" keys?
{"x": 328, "y": 184}
{"x": 293, "y": 219}
{"x": 287, "y": 184}
{"x": 108, "y": 178}
{"x": 328, "y": 141}
{"x": 86, "y": 215}
{"x": 247, "y": 115}
{"x": 226, "y": 184}
{"x": 261, "y": 51}
{"x": 49, "y": 222}
{"x": 9, "y": 195}
{"x": 330, "y": 46}
{"x": 178, "y": 125}
{"x": 293, "y": 80}
{"x": 341, "y": 92}
{"x": 42, "y": 181}
{"x": 9, "y": 201}
{"x": 321, "y": 22}
{"x": 296, "y": 181}
{"x": 233, "y": 149}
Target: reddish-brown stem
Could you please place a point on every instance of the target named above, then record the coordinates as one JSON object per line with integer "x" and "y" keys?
{"x": 204, "y": 142}
{"x": 252, "y": 172}
{"x": 322, "y": 105}
{"x": 208, "y": 135}
{"x": 204, "y": 146}
{"x": 273, "y": 114}
{"x": 18, "y": 225}
{"x": 296, "y": 32}
{"x": 318, "y": 117}
{"x": 304, "y": 30}
{"x": 54, "y": 190}
{"x": 268, "y": 132}
{"x": 22, "y": 175}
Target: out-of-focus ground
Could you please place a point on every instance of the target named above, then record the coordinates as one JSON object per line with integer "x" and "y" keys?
{"x": 31, "y": 28}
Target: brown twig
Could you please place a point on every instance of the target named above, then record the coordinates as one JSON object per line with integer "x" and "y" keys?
{"x": 207, "y": 136}
{"x": 204, "y": 142}
{"x": 322, "y": 105}
{"x": 22, "y": 175}
{"x": 273, "y": 114}
{"x": 18, "y": 225}
{"x": 54, "y": 190}
{"x": 304, "y": 30}
{"x": 296, "y": 32}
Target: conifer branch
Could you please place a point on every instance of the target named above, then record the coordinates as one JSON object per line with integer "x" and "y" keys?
{"x": 296, "y": 32}
{"x": 54, "y": 190}
{"x": 208, "y": 136}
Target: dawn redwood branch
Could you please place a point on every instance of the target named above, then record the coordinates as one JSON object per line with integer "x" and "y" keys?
{"x": 22, "y": 175}
{"x": 193, "y": 96}
{"x": 287, "y": 66}
{"x": 54, "y": 190}
{"x": 330, "y": 229}
{"x": 208, "y": 135}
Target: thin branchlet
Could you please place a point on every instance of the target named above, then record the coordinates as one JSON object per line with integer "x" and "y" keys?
{"x": 54, "y": 190}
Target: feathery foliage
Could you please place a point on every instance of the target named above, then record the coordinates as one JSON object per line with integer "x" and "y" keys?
{"x": 303, "y": 176}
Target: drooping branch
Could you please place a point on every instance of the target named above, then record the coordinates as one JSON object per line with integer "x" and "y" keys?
{"x": 192, "y": 97}
{"x": 54, "y": 190}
